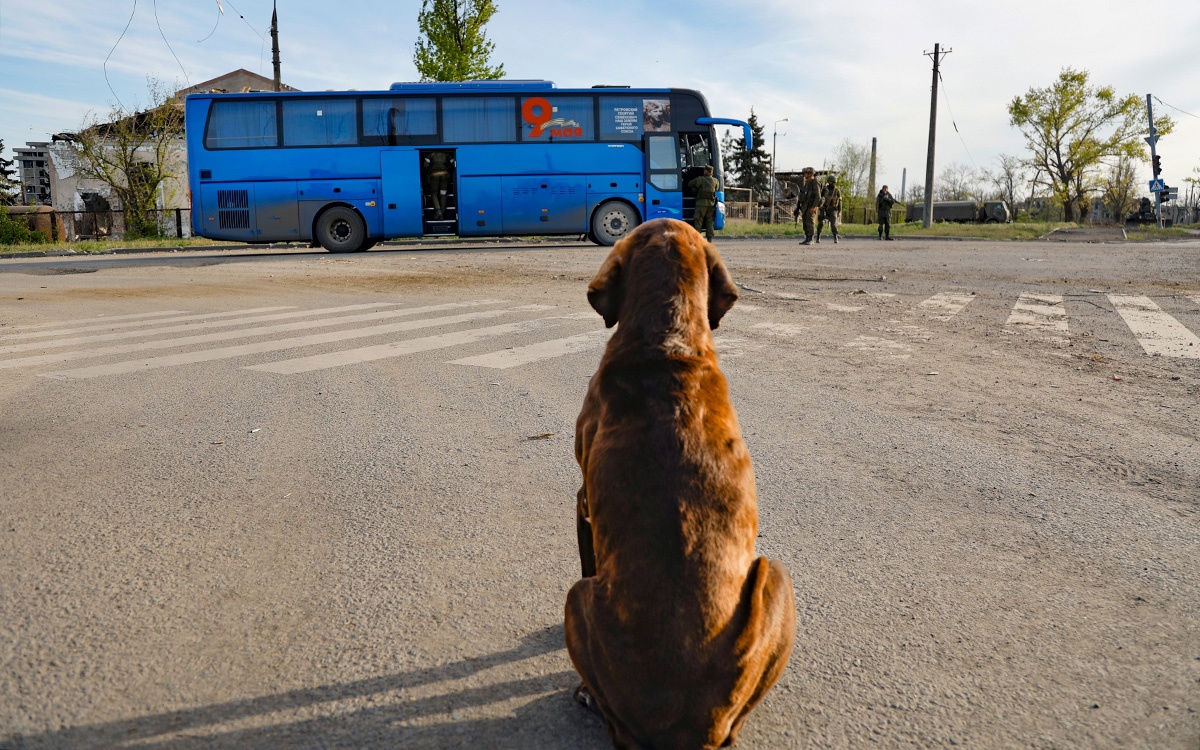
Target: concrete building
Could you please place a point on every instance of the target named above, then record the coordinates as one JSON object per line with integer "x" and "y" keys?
{"x": 33, "y": 166}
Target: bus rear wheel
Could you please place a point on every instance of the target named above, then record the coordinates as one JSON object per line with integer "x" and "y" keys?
{"x": 612, "y": 221}
{"x": 341, "y": 230}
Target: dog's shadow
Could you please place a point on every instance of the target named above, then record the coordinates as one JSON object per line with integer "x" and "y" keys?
{"x": 550, "y": 720}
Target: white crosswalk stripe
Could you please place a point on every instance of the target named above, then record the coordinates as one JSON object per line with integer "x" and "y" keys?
{"x": 135, "y": 323}
{"x": 208, "y": 338}
{"x": 1041, "y": 312}
{"x": 402, "y": 348}
{"x": 229, "y": 352}
{"x": 1157, "y": 332}
{"x": 524, "y": 355}
{"x": 946, "y": 304}
{"x": 97, "y": 319}
{"x": 223, "y": 323}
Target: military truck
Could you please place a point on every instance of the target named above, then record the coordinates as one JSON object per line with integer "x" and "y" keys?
{"x": 967, "y": 212}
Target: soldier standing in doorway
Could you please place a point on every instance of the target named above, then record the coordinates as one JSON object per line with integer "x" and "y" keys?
{"x": 883, "y": 210}
{"x": 705, "y": 188}
{"x": 808, "y": 203}
{"x": 831, "y": 208}
{"x": 437, "y": 181}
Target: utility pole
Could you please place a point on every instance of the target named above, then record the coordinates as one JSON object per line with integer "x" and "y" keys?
{"x": 871, "y": 176}
{"x": 275, "y": 44}
{"x": 774, "y": 134}
{"x": 1153, "y": 141}
{"x": 903, "y": 182}
{"x": 937, "y": 59}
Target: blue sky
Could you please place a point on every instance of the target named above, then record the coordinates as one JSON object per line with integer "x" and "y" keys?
{"x": 835, "y": 70}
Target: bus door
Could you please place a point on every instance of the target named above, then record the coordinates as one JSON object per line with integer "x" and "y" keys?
{"x": 694, "y": 156}
{"x": 402, "y": 197}
{"x": 664, "y": 180}
{"x": 439, "y": 186}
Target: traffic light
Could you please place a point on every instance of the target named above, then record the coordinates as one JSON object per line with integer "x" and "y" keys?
{"x": 1157, "y": 166}
{"x": 1165, "y": 195}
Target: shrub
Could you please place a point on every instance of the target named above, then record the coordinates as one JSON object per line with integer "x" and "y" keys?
{"x": 16, "y": 231}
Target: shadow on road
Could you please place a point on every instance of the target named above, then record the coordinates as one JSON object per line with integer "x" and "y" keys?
{"x": 535, "y": 723}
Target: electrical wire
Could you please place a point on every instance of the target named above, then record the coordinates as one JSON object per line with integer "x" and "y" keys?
{"x": 1177, "y": 109}
{"x": 220, "y": 13}
{"x": 164, "y": 38}
{"x": 946, "y": 96}
{"x": 262, "y": 47}
{"x": 104, "y": 65}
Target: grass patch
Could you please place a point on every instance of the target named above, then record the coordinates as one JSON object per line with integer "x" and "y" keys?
{"x": 104, "y": 246}
{"x": 1151, "y": 232}
{"x": 1017, "y": 231}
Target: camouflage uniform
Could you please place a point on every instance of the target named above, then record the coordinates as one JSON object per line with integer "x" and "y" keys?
{"x": 883, "y": 210}
{"x": 808, "y": 203}
{"x": 831, "y": 210}
{"x": 705, "y": 187}
{"x": 437, "y": 180}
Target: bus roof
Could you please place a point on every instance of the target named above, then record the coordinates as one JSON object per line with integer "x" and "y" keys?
{"x": 456, "y": 87}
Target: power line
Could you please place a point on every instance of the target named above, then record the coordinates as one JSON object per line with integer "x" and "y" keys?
{"x": 104, "y": 65}
{"x": 220, "y": 14}
{"x": 1177, "y": 109}
{"x": 955, "y": 124}
{"x": 164, "y": 38}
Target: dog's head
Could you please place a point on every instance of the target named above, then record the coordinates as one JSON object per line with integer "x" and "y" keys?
{"x": 660, "y": 262}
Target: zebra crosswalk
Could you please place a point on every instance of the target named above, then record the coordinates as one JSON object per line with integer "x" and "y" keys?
{"x": 145, "y": 341}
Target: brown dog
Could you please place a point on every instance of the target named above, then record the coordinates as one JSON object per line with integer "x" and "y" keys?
{"x": 677, "y": 629}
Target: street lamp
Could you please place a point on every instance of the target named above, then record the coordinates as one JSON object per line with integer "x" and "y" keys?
{"x": 774, "y": 134}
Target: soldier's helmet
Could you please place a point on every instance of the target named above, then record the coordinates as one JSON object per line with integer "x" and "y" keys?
{"x": 808, "y": 170}
{"x": 831, "y": 179}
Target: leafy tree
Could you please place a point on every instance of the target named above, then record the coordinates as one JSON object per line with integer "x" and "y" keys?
{"x": 1071, "y": 128}
{"x": 454, "y": 46}
{"x": 10, "y": 186}
{"x": 17, "y": 231}
{"x": 132, "y": 152}
{"x": 749, "y": 169}
{"x": 1120, "y": 188}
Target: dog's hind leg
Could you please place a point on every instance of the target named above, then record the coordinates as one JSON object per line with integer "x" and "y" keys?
{"x": 766, "y": 642}
{"x": 583, "y": 528}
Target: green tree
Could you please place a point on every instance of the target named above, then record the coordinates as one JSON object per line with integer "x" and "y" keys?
{"x": 1120, "y": 189}
{"x": 453, "y": 45}
{"x": 133, "y": 153}
{"x": 748, "y": 168}
{"x": 1071, "y": 128}
{"x": 10, "y": 186}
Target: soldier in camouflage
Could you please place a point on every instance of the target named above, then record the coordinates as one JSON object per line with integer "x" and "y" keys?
{"x": 883, "y": 210}
{"x": 831, "y": 208}
{"x": 437, "y": 181}
{"x": 808, "y": 203}
{"x": 705, "y": 189}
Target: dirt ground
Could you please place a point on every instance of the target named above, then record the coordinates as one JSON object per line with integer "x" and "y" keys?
{"x": 992, "y": 524}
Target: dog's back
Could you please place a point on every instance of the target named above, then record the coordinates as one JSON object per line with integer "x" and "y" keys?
{"x": 676, "y": 629}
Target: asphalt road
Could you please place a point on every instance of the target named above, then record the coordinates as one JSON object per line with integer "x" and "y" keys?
{"x": 297, "y": 500}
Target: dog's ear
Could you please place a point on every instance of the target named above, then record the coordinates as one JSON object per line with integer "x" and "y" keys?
{"x": 721, "y": 291}
{"x": 606, "y": 290}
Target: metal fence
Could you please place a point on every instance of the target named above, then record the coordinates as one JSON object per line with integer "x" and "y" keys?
{"x": 111, "y": 225}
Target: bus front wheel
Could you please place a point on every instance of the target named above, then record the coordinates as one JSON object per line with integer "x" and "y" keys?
{"x": 341, "y": 230}
{"x": 612, "y": 221}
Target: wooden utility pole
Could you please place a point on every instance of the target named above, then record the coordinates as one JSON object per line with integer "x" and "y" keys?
{"x": 937, "y": 59}
{"x": 871, "y": 177}
{"x": 275, "y": 44}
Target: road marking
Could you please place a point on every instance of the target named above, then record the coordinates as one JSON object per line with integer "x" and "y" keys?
{"x": 402, "y": 348}
{"x": 246, "y": 333}
{"x": 947, "y": 303}
{"x": 877, "y": 345}
{"x": 524, "y": 355}
{"x": 189, "y": 327}
{"x": 1195, "y": 298}
{"x": 787, "y": 330}
{"x": 132, "y": 324}
{"x": 98, "y": 319}
{"x": 842, "y": 308}
{"x": 1042, "y": 312}
{"x": 228, "y": 352}
{"x": 1156, "y": 330}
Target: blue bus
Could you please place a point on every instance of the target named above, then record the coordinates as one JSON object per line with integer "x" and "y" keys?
{"x": 348, "y": 169}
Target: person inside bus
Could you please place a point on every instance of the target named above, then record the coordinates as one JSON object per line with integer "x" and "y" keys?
{"x": 437, "y": 180}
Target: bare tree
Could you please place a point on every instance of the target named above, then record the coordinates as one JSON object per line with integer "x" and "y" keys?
{"x": 853, "y": 161}
{"x": 1008, "y": 179}
{"x": 956, "y": 182}
{"x": 130, "y": 151}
